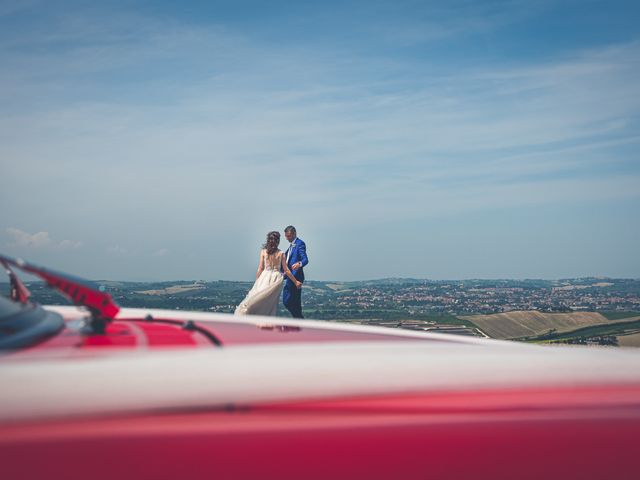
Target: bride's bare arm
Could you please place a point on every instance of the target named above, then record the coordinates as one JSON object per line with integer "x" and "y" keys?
{"x": 288, "y": 273}
{"x": 260, "y": 264}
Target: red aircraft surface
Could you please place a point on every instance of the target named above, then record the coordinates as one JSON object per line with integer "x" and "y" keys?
{"x": 97, "y": 391}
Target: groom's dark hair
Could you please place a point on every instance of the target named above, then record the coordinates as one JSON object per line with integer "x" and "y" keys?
{"x": 290, "y": 228}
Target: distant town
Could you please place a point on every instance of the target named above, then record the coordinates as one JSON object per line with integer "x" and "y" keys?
{"x": 582, "y": 310}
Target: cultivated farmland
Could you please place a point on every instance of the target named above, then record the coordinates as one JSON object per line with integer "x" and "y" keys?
{"x": 520, "y": 324}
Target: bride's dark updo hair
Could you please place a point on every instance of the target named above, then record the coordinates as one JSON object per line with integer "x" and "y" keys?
{"x": 273, "y": 240}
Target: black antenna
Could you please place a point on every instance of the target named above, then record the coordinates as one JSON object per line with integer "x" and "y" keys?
{"x": 80, "y": 291}
{"x": 18, "y": 292}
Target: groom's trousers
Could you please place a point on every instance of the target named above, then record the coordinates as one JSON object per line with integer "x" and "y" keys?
{"x": 292, "y": 299}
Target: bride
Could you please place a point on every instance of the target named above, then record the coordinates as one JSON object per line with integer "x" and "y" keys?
{"x": 263, "y": 297}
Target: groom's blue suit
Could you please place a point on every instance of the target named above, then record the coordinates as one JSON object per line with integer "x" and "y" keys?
{"x": 292, "y": 296}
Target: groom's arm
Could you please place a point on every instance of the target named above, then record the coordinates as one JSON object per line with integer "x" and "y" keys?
{"x": 302, "y": 251}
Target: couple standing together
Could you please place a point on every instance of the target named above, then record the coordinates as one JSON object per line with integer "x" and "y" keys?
{"x": 275, "y": 270}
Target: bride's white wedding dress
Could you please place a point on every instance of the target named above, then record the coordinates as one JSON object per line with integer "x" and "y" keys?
{"x": 263, "y": 297}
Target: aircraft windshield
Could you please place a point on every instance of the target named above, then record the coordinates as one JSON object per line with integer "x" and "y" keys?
{"x": 24, "y": 324}
{"x": 9, "y": 308}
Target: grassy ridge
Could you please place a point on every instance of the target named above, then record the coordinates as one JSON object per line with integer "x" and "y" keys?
{"x": 592, "y": 331}
{"x": 619, "y": 315}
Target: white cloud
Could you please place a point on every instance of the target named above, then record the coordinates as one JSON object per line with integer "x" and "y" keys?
{"x": 39, "y": 240}
{"x": 70, "y": 244}
{"x": 29, "y": 240}
{"x": 116, "y": 250}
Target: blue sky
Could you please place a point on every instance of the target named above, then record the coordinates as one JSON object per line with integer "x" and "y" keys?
{"x": 151, "y": 140}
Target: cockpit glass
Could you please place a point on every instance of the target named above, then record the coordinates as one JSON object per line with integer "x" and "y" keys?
{"x": 8, "y": 307}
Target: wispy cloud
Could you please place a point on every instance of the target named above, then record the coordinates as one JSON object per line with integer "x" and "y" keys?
{"x": 9, "y": 7}
{"x": 190, "y": 131}
{"x": 24, "y": 239}
{"x": 116, "y": 250}
{"x": 70, "y": 244}
{"x": 39, "y": 240}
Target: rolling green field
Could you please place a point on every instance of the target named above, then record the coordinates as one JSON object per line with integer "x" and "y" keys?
{"x": 619, "y": 315}
{"x": 613, "y": 329}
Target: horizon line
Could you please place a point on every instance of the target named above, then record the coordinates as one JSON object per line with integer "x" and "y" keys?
{"x": 381, "y": 279}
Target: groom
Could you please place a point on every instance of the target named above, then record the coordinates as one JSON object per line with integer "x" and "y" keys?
{"x": 296, "y": 259}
